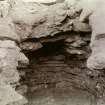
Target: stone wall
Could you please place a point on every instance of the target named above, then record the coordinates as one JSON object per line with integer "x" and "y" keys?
{"x": 61, "y": 64}
{"x": 57, "y": 45}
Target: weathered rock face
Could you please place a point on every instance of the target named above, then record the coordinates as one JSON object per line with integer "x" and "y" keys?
{"x": 8, "y": 95}
{"x": 34, "y": 20}
{"x": 57, "y": 45}
{"x": 10, "y": 55}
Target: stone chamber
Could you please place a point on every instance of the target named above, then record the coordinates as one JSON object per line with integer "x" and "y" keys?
{"x": 57, "y": 74}
{"x": 57, "y": 45}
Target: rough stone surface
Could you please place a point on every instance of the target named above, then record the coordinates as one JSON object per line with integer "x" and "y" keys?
{"x": 59, "y": 47}
{"x": 8, "y": 95}
{"x": 34, "y": 20}
{"x": 6, "y": 24}
{"x": 10, "y": 55}
{"x": 53, "y": 69}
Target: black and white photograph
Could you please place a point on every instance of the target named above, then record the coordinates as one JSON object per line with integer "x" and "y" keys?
{"x": 52, "y": 52}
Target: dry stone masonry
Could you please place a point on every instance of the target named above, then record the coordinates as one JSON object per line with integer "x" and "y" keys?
{"x": 51, "y": 37}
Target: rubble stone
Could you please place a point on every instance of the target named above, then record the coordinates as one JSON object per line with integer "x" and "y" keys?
{"x": 43, "y": 25}
{"x": 45, "y": 20}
